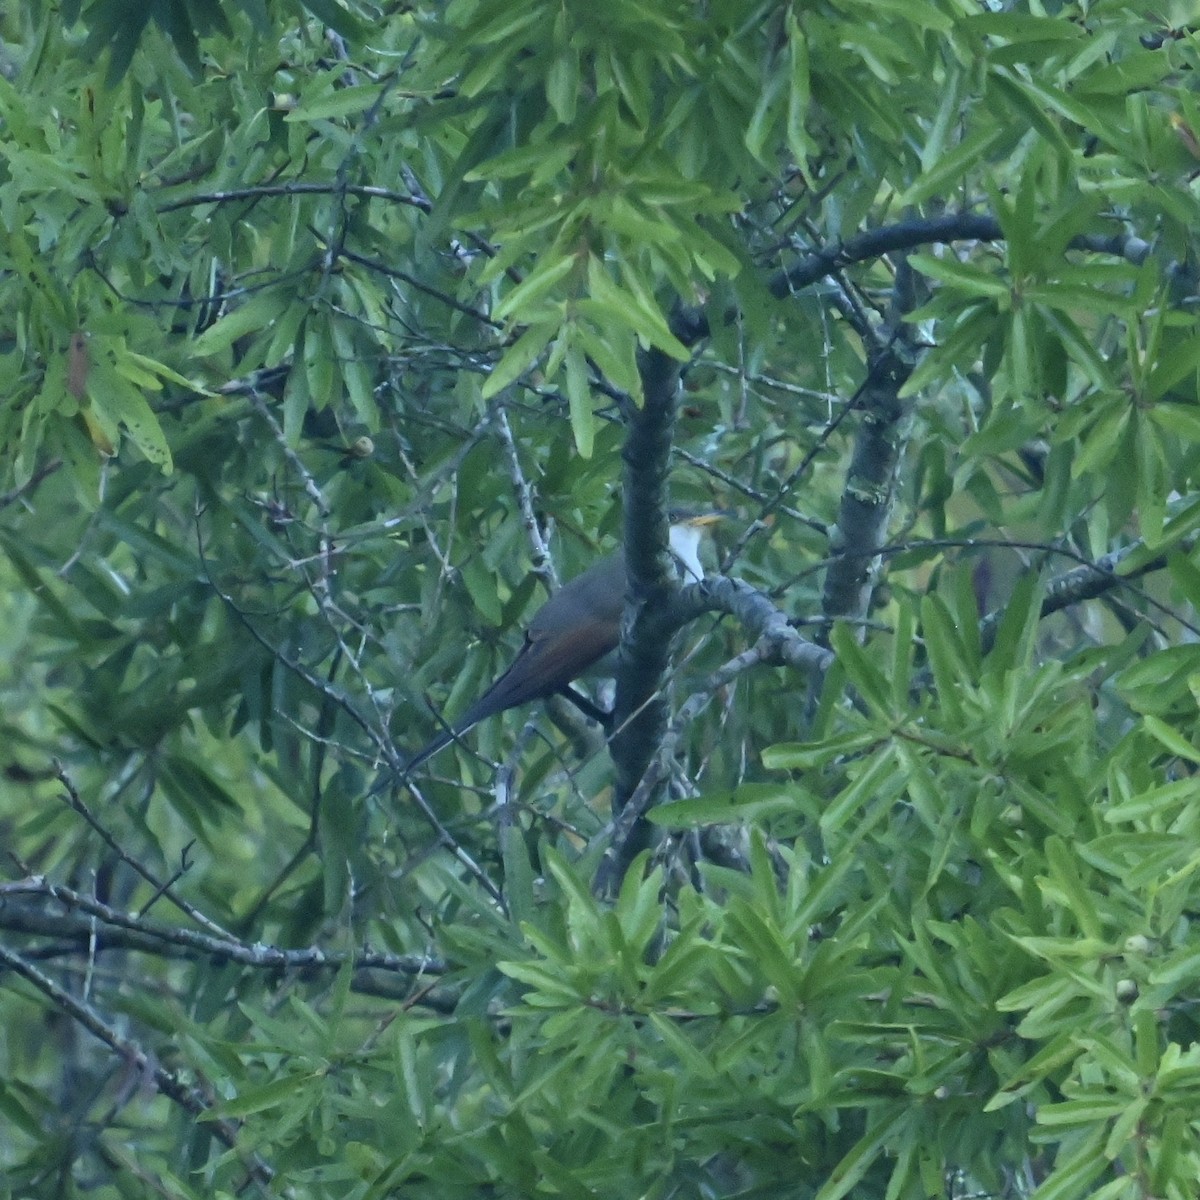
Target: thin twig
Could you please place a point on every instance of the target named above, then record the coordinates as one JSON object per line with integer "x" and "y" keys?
{"x": 47, "y": 469}
{"x": 541, "y": 563}
{"x": 161, "y": 889}
{"x": 222, "y": 948}
{"x": 294, "y": 189}
{"x": 189, "y": 1098}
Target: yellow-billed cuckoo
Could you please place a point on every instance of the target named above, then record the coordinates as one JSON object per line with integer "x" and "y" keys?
{"x": 577, "y": 627}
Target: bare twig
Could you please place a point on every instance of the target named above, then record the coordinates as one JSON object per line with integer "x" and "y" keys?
{"x": 161, "y": 888}
{"x": 189, "y": 1098}
{"x": 15, "y": 494}
{"x": 541, "y": 563}
{"x": 294, "y": 188}
{"x": 223, "y": 947}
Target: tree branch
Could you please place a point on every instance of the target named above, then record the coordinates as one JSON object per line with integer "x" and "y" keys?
{"x": 189, "y": 1098}
{"x": 866, "y": 502}
{"x": 176, "y": 941}
{"x": 775, "y": 643}
{"x": 692, "y": 325}
{"x": 646, "y": 635}
{"x": 295, "y": 188}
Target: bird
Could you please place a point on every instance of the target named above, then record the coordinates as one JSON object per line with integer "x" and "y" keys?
{"x": 578, "y": 627}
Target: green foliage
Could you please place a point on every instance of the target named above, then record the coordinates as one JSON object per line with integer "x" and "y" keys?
{"x": 304, "y": 310}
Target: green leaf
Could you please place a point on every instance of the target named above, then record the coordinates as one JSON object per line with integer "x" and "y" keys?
{"x": 872, "y": 784}
{"x": 942, "y": 178}
{"x": 320, "y": 365}
{"x": 765, "y": 115}
{"x": 799, "y": 143}
{"x": 612, "y": 350}
{"x": 579, "y": 398}
{"x": 1073, "y": 1174}
{"x": 538, "y": 283}
{"x": 748, "y": 802}
{"x": 855, "y": 1164}
{"x": 116, "y": 400}
{"x": 689, "y": 1058}
{"x": 256, "y": 314}
{"x": 518, "y": 358}
{"x": 337, "y": 18}
{"x": 968, "y": 279}
{"x": 947, "y": 657}
{"x": 480, "y": 583}
{"x": 518, "y": 873}
{"x": 44, "y": 590}
{"x": 797, "y": 756}
{"x": 654, "y": 324}
{"x": 1068, "y": 885}
{"x": 861, "y": 671}
{"x": 562, "y": 84}
{"x": 1017, "y": 632}
{"x": 332, "y": 101}
{"x": 1174, "y": 742}
{"x": 302, "y": 1090}
{"x": 1180, "y": 419}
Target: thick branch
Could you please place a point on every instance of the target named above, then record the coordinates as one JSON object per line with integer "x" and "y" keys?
{"x": 646, "y": 634}
{"x": 775, "y": 640}
{"x": 776, "y": 643}
{"x": 867, "y": 497}
{"x": 1084, "y": 583}
{"x": 692, "y": 325}
{"x": 84, "y": 914}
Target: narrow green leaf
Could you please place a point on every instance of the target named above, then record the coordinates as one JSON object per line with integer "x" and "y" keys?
{"x": 518, "y": 873}
{"x": 1170, "y": 1144}
{"x": 256, "y": 314}
{"x": 969, "y": 279}
{"x": 849, "y": 1173}
{"x": 765, "y": 114}
{"x": 518, "y": 358}
{"x": 579, "y": 400}
{"x": 562, "y": 84}
{"x": 1073, "y": 1175}
{"x": 868, "y": 785}
{"x": 1064, "y": 871}
{"x": 690, "y": 1059}
{"x": 43, "y": 589}
{"x": 945, "y": 176}
{"x": 534, "y": 286}
{"x": 335, "y": 101}
{"x": 1017, "y": 631}
{"x": 799, "y": 756}
{"x": 866, "y": 677}
{"x": 799, "y": 92}
{"x": 946, "y": 657}
{"x": 302, "y": 1089}
{"x": 749, "y": 802}
{"x": 339, "y": 19}
{"x": 320, "y": 364}
{"x": 1174, "y": 741}
{"x": 1183, "y": 420}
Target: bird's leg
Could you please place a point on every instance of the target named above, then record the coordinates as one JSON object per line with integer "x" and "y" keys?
{"x": 585, "y": 706}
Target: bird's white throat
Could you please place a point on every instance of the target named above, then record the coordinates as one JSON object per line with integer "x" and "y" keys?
{"x": 685, "y": 546}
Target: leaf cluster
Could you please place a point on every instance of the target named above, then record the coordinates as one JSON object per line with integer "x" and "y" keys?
{"x": 320, "y": 334}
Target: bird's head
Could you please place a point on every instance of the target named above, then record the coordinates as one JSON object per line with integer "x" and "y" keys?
{"x": 689, "y": 528}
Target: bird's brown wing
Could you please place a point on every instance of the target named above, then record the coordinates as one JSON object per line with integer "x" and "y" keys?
{"x": 571, "y": 632}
